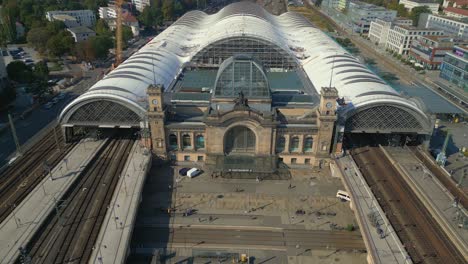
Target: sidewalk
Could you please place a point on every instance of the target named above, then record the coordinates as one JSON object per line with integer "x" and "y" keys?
{"x": 382, "y": 249}
{"x": 20, "y": 226}
{"x": 116, "y": 231}
{"x": 433, "y": 194}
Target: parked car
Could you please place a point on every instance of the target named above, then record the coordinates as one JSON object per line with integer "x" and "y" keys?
{"x": 193, "y": 172}
{"x": 344, "y": 196}
{"x": 183, "y": 171}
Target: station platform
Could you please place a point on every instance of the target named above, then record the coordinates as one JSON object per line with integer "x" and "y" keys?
{"x": 20, "y": 226}
{"x": 437, "y": 199}
{"x": 382, "y": 248}
{"x": 112, "y": 244}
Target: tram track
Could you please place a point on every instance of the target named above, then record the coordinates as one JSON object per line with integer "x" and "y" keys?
{"x": 18, "y": 180}
{"x": 69, "y": 233}
{"x": 421, "y": 235}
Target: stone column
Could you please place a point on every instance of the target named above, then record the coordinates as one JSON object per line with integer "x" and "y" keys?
{"x": 301, "y": 144}
{"x": 192, "y": 140}
{"x": 286, "y": 143}
{"x": 179, "y": 140}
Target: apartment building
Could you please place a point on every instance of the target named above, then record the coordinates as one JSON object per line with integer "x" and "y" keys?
{"x": 456, "y": 12}
{"x": 140, "y": 4}
{"x": 84, "y": 18}
{"x": 432, "y": 4}
{"x": 362, "y": 14}
{"x": 452, "y": 26}
{"x": 81, "y": 33}
{"x": 379, "y": 29}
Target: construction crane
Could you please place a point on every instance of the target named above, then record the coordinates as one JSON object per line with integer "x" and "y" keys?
{"x": 118, "y": 33}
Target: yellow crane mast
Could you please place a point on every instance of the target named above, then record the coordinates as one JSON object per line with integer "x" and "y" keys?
{"x": 118, "y": 33}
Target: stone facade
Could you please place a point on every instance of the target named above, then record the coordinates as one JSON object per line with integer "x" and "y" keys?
{"x": 307, "y": 143}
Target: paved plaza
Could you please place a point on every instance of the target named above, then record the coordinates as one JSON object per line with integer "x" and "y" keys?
{"x": 246, "y": 204}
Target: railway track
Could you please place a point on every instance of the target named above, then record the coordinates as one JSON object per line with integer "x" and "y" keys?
{"x": 437, "y": 171}
{"x": 69, "y": 234}
{"x": 28, "y": 171}
{"x": 272, "y": 239}
{"x": 422, "y": 237}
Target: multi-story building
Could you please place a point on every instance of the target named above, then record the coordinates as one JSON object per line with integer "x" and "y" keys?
{"x": 429, "y": 51}
{"x": 127, "y": 20}
{"x": 362, "y": 14}
{"x": 454, "y": 68}
{"x": 400, "y": 37}
{"x": 84, "y": 18}
{"x": 378, "y": 30}
{"x": 69, "y": 21}
{"x": 110, "y": 11}
{"x": 81, "y": 33}
{"x": 451, "y": 26}
{"x": 455, "y": 3}
{"x": 140, "y": 4}
{"x": 410, "y": 4}
{"x": 456, "y": 12}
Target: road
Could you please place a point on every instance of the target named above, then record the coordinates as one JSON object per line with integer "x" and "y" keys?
{"x": 41, "y": 118}
{"x": 265, "y": 239}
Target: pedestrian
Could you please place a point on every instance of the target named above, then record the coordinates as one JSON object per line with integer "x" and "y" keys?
{"x": 210, "y": 218}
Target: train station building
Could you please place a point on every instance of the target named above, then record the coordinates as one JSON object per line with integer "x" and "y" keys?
{"x": 243, "y": 90}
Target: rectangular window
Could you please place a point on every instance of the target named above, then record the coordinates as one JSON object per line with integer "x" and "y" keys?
{"x": 293, "y": 161}
{"x": 186, "y": 158}
{"x": 307, "y": 161}
{"x": 200, "y": 158}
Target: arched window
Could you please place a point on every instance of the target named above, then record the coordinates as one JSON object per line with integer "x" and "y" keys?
{"x": 200, "y": 142}
{"x": 294, "y": 144}
{"x": 308, "y": 143}
{"x": 186, "y": 142}
{"x": 173, "y": 141}
{"x": 281, "y": 144}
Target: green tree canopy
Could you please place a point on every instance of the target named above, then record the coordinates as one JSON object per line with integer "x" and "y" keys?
{"x": 417, "y": 11}
{"x": 60, "y": 44}
{"x": 37, "y": 38}
{"x": 168, "y": 10}
{"x": 41, "y": 71}
{"x": 18, "y": 71}
{"x": 102, "y": 28}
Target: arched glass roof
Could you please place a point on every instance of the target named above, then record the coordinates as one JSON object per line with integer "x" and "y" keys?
{"x": 241, "y": 74}
{"x": 162, "y": 59}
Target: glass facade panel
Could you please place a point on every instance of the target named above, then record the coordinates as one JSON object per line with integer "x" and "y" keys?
{"x": 240, "y": 139}
{"x": 294, "y": 144}
{"x": 173, "y": 141}
{"x": 186, "y": 143}
{"x": 200, "y": 142}
{"x": 281, "y": 144}
{"x": 308, "y": 144}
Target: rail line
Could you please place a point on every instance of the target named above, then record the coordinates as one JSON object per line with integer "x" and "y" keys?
{"x": 69, "y": 234}
{"x": 437, "y": 171}
{"x": 27, "y": 172}
{"x": 423, "y": 238}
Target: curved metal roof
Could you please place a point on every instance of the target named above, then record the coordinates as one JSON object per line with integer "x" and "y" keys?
{"x": 162, "y": 58}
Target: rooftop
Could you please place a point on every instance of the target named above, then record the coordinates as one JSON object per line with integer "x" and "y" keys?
{"x": 80, "y": 30}
{"x": 64, "y": 17}
{"x": 459, "y": 11}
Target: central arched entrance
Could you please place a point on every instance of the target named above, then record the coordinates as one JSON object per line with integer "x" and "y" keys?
{"x": 239, "y": 139}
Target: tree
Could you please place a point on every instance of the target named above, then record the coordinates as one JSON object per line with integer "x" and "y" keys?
{"x": 84, "y": 51}
{"x": 41, "y": 71}
{"x": 146, "y": 17}
{"x": 101, "y": 46}
{"x": 60, "y": 43}
{"x": 417, "y": 11}
{"x": 37, "y": 38}
{"x": 127, "y": 34}
{"x": 168, "y": 10}
{"x": 102, "y": 28}
{"x": 55, "y": 26}
{"x": 18, "y": 71}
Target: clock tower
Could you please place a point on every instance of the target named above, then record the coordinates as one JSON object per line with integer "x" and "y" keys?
{"x": 156, "y": 119}
{"x": 326, "y": 114}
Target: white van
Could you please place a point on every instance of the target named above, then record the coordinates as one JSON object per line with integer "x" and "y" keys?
{"x": 193, "y": 172}
{"x": 343, "y": 195}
